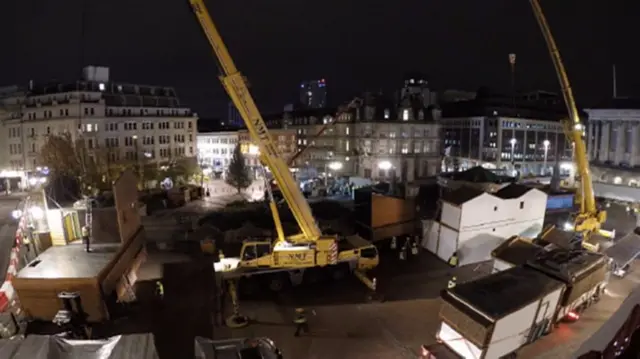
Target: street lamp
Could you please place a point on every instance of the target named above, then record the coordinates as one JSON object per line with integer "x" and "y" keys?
{"x": 137, "y": 159}
{"x": 334, "y": 166}
{"x": 546, "y": 144}
{"x": 513, "y": 142}
{"x": 16, "y": 214}
{"x": 385, "y": 166}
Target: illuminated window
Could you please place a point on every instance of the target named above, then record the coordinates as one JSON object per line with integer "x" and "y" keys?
{"x": 405, "y": 115}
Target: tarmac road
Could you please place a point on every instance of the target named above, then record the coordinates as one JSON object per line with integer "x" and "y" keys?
{"x": 344, "y": 324}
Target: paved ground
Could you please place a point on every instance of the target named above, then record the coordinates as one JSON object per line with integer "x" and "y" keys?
{"x": 343, "y": 323}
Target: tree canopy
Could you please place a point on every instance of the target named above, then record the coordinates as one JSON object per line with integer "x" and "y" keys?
{"x": 237, "y": 173}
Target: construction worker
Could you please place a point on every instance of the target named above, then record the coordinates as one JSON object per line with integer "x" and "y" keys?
{"x": 453, "y": 260}
{"x": 300, "y": 320}
{"x": 414, "y": 246}
{"x": 159, "y": 289}
{"x": 452, "y": 283}
{"x": 86, "y": 239}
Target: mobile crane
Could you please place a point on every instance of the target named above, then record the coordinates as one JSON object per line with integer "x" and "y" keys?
{"x": 286, "y": 256}
{"x": 589, "y": 219}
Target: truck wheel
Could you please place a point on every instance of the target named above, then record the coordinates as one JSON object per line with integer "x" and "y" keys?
{"x": 277, "y": 283}
{"x": 338, "y": 273}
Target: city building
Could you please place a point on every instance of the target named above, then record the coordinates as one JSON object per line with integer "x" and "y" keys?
{"x": 284, "y": 139}
{"x": 613, "y": 134}
{"x": 416, "y": 88}
{"x": 11, "y": 101}
{"x": 233, "y": 116}
{"x": 313, "y": 94}
{"x": 522, "y": 136}
{"x": 376, "y": 140}
{"x": 129, "y": 121}
{"x": 215, "y": 150}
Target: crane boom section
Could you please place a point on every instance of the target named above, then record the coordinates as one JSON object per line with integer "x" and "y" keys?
{"x": 581, "y": 159}
{"x": 235, "y": 85}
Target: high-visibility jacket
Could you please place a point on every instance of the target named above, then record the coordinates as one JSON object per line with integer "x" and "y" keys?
{"x": 453, "y": 261}
{"x": 160, "y": 288}
{"x": 300, "y": 319}
{"x": 452, "y": 283}
{"x": 85, "y": 231}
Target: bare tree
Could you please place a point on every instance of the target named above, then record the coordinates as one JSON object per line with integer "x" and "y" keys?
{"x": 66, "y": 157}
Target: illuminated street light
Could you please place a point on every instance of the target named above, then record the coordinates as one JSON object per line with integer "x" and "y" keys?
{"x": 384, "y": 165}
{"x": 335, "y": 166}
{"x": 546, "y": 144}
{"x": 254, "y": 150}
{"x": 513, "y": 142}
{"x": 16, "y": 214}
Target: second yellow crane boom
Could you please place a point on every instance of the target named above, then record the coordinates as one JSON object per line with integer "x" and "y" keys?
{"x": 590, "y": 219}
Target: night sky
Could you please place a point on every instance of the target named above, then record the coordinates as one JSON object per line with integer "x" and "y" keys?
{"x": 354, "y": 44}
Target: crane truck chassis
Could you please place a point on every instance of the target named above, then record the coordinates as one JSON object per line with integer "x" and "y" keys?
{"x": 255, "y": 269}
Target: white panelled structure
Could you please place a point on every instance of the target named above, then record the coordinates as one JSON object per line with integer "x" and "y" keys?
{"x": 473, "y": 222}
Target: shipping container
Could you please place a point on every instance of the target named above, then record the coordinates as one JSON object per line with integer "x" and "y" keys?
{"x": 380, "y": 216}
{"x": 494, "y": 316}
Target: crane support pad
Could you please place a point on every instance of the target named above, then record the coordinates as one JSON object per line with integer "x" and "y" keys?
{"x": 624, "y": 250}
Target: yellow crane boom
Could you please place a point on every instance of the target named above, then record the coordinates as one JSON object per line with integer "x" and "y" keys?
{"x": 590, "y": 218}
{"x": 236, "y": 86}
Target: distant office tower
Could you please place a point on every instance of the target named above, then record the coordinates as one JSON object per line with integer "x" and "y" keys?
{"x": 233, "y": 116}
{"x": 313, "y": 94}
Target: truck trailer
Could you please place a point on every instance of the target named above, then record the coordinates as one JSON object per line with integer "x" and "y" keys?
{"x": 492, "y": 317}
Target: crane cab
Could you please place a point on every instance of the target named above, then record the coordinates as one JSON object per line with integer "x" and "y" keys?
{"x": 359, "y": 250}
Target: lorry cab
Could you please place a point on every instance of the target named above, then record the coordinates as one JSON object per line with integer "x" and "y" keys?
{"x": 255, "y": 254}
{"x": 358, "y": 249}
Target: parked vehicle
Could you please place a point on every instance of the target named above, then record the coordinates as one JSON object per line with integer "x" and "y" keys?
{"x": 492, "y": 317}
